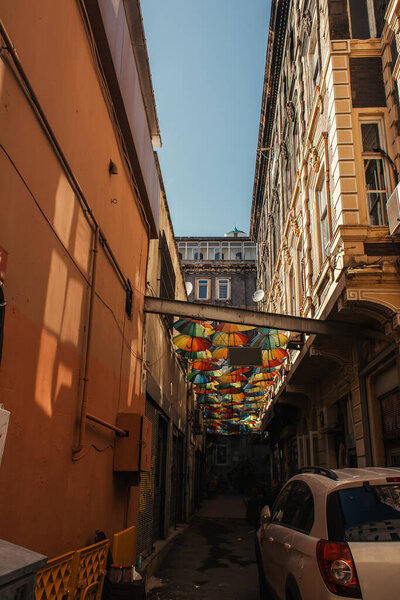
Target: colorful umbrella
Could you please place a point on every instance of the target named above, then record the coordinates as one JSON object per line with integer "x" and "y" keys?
{"x": 205, "y": 365}
{"x": 232, "y": 377}
{"x": 194, "y": 327}
{"x": 221, "y": 338}
{"x": 233, "y": 327}
{"x": 267, "y": 341}
{"x": 262, "y": 377}
{"x": 257, "y": 386}
{"x": 199, "y": 378}
{"x": 220, "y": 352}
{"x": 191, "y": 344}
{"x": 274, "y": 357}
{"x": 203, "y": 354}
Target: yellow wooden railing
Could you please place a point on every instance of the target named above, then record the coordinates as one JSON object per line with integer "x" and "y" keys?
{"x": 76, "y": 575}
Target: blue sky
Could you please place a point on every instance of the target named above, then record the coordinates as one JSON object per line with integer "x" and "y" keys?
{"x": 207, "y": 61}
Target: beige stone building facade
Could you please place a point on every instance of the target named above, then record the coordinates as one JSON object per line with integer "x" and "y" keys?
{"x": 326, "y": 166}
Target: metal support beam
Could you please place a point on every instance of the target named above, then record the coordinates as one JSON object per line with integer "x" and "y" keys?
{"x": 258, "y": 319}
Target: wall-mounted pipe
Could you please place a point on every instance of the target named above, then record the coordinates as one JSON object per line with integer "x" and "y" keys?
{"x": 118, "y": 430}
{"x": 82, "y": 420}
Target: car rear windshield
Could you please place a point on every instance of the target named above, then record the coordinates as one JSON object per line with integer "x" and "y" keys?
{"x": 364, "y": 514}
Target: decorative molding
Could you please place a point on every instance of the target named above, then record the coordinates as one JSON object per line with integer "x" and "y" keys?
{"x": 284, "y": 150}
{"x": 291, "y": 111}
{"x": 315, "y": 159}
{"x": 307, "y": 20}
{"x": 294, "y": 222}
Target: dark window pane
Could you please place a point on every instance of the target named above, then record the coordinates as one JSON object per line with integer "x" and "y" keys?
{"x": 380, "y": 7}
{"x": 365, "y": 514}
{"x": 374, "y": 177}
{"x": 370, "y": 136}
{"x": 359, "y": 19}
{"x": 295, "y": 507}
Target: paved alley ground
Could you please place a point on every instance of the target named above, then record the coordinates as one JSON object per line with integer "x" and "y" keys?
{"x": 213, "y": 559}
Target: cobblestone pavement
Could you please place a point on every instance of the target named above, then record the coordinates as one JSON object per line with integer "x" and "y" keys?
{"x": 213, "y": 559}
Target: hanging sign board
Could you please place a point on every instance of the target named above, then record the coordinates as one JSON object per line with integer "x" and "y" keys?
{"x": 4, "y": 419}
{"x": 3, "y": 264}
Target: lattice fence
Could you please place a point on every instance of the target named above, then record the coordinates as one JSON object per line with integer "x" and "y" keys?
{"x": 74, "y": 576}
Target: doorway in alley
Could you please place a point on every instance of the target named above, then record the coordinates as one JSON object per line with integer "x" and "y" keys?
{"x": 176, "y": 515}
{"x": 159, "y": 480}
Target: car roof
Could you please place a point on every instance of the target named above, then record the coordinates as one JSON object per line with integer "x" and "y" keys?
{"x": 349, "y": 476}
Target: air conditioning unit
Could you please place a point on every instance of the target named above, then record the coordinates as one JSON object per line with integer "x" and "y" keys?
{"x": 393, "y": 211}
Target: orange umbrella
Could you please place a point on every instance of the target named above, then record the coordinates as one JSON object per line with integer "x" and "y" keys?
{"x": 262, "y": 377}
{"x": 205, "y": 365}
{"x": 191, "y": 344}
{"x": 274, "y": 357}
{"x": 232, "y": 377}
{"x": 220, "y": 352}
{"x": 221, "y": 338}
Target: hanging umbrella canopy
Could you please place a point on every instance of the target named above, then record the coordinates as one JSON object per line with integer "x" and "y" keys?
{"x": 221, "y": 352}
{"x": 257, "y": 386}
{"x": 229, "y": 388}
{"x": 274, "y": 356}
{"x": 233, "y": 327}
{"x": 226, "y": 398}
{"x": 199, "y": 378}
{"x": 203, "y": 354}
{"x": 255, "y": 394}
{"x": 205, "y": 365}
{"x": 273, "y": 370}
{"x": 232, "y": 377}
{"x": 269, "y": 341}
{"x": 221, "y": 338}
{"x": 205, "y": 388}
{"x": 194, "y": 327}
{"x": 191, "y": 344}
{"x": 262, "y": 377}
{"x": 242, "y": 370}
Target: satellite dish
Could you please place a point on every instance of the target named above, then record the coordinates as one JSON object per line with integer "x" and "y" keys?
{"x": 258, "y": 295}
{"x": 189, "y": 287}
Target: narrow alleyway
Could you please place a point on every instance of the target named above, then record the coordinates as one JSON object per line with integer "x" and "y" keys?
{"x": 214, "y": 558}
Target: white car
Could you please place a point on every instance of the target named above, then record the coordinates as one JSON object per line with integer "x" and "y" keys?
{"x": 332, "y": 534}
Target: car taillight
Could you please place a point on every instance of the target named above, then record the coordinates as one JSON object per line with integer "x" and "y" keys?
{"x": 337, "y": 568}
{"x": 393, "y": 479}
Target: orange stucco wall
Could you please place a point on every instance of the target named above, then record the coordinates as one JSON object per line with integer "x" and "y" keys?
{"x": 48, "y": 502}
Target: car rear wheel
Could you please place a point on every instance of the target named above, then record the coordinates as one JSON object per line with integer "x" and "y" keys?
{"x": 292, "y": 592}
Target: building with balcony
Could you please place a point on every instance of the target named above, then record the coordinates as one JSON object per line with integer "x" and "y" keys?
{"x": 327, "y": 158}
{"x": 220, "y": 270}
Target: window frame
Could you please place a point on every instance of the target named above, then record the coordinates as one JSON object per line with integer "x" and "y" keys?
{"x": 228, "y": 292}
{"x": 282, "y": 501}
{"x": 324, "y": 217}
{"x": 202, "y": 279}
{"x": 370, "y": 155}
{"x": 371, "y": 20}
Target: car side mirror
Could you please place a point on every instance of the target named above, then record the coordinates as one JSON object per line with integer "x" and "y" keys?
{"x": 265, "y": 516}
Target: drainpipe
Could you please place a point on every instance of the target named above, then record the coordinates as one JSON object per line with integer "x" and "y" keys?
{"x": 76, "y": 452}
{"x": 327, "y": 186}
{"x": 308, "y": 240}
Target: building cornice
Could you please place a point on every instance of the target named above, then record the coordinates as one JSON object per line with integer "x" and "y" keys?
{"x": 218, "y": 268}
{"x": 273, "y": 63}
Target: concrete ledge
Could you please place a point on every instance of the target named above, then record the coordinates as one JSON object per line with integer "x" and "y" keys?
{"x": 161, "y": 549}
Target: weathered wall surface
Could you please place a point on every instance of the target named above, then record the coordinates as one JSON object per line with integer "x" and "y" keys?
{"x": 50, "y": 503}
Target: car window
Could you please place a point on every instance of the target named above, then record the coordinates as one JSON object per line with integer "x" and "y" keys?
{"x": 294, "y": 507}
{"x": 365, "y": 514}
{"x": 302, "y": 517}
{"x": 279, "y": 504}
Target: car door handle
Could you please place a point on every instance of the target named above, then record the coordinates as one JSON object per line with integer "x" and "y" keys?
{"x": 287, "y": 546}
{"x": 270, "y": 539}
